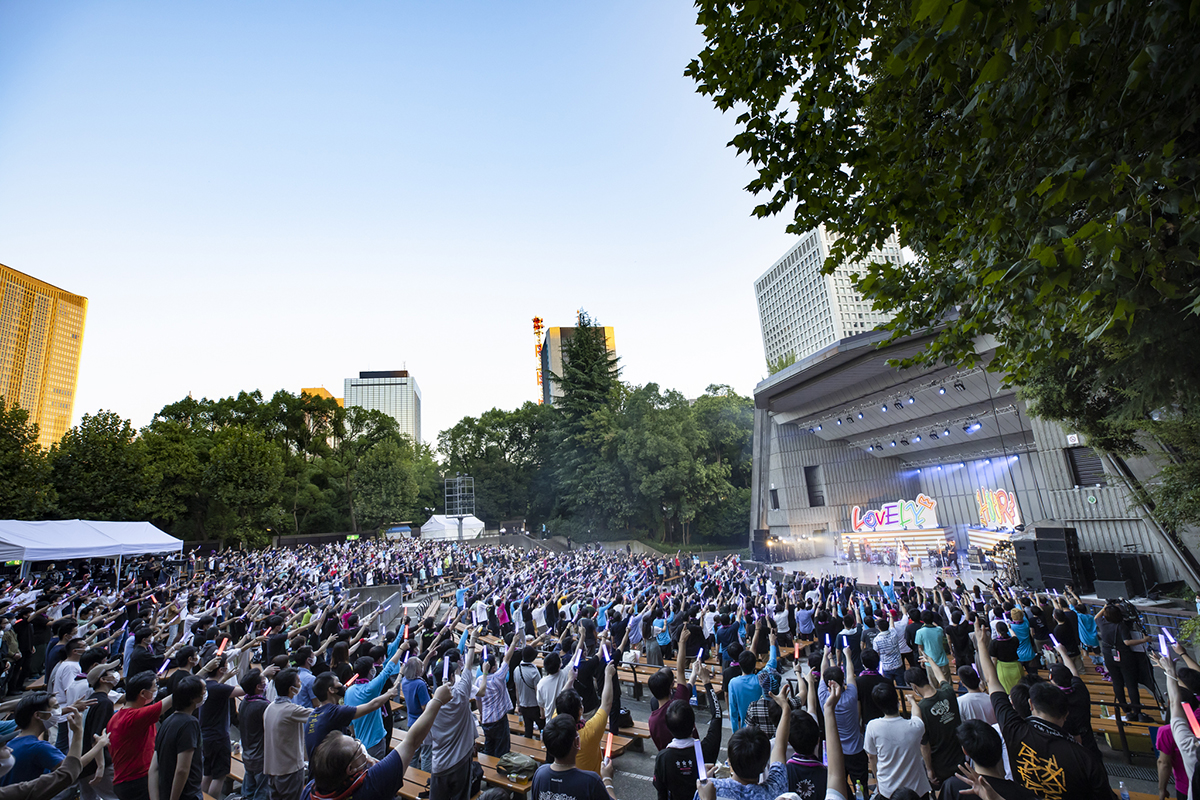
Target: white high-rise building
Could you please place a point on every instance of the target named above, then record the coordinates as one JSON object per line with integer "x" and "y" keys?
{"x": 802, "y": 310}
{"x": 393, "y": 392}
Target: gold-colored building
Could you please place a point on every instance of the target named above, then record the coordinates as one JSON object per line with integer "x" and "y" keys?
{"x": 41, "y": 334}
{"x": 321, "y": 391}
{"x": 551, "y": 355}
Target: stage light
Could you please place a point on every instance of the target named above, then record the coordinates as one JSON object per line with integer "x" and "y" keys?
{"x": 885, "y": 407}
{"x": 916, "y": 439}
{"x": 962, "y": 464}
{"x": 918, "y": 470}
{"x": 818, "y": 427}
{"x": 810, "y": 430}
{"x": 903, "y": 442}
{"x": 839, "y": 421}
{"x": 987, "y": 461}
{"x": 871, "y": 449}
{"x": 860, "y": 415}
{"x": 911, "y": 400}
{"x": 933, "y": 434}
{"x": 941, "y": 390}
{"x": 893, "y": 442}
{"x": 971, "y": 427}
{"x": 946, "y": 432}
{"x": 939, "y": 467}
{"x": 958, "y": 385}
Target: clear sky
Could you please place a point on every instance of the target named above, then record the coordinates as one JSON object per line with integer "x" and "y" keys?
{"x": 274, "y": 195}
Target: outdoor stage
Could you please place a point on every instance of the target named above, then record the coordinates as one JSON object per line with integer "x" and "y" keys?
{"x": 872, "y": 573}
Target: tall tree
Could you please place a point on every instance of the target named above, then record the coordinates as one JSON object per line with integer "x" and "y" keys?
{"x": 387, "y": 484}
{"x": 98, "y": 470}
{"x": 26, "y": 491}
{"x": 1041, "y": 159}
{"x": 243, "y": 475}
{"x": 355, "y": 433}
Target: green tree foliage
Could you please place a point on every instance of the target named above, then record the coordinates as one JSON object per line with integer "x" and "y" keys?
{"x": 781, "y": 363}
{"x": 387, "y": 484}
{"x": 26, "y": 491}
{"x": 1040, "y": 157}
{"x": 242, "y": 477}
{"x": 98, "y": 470}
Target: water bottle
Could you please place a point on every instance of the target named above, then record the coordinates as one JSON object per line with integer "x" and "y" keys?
{"x": 1124, "y": 792}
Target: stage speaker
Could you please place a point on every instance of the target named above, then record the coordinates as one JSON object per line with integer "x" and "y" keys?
{"x": 1111, "y": 590}
{"x": 1050, "y": 534}
{"x": 1058, "y": 583}
{"x": 1053, "y": 559}
{"x": 1052, "y": 546}
{"x": 1025, "y": 547}
{"x": 1139, "y": 572}
{"x": 1107, "y": 567}
{"x": 758, "y": 548}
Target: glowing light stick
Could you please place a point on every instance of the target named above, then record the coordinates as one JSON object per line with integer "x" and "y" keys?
{"x": 827, "y": 642}
{"x": 1162, "y": 643}
{"x": 575, "y": 661}
{"x": 406, "y": 632}
{"x": 700, "y": 770}
{"x": 164, "y": 666}
{"x": 604, "y": 652}
{"x": 608, "y": 747}
{"x": 221, "y": 649}
{"x": 1170, "y": 638}
{"x": 1191, "y": 718}
{"x": 353, "y": 680}
{"x": 445, "y": 670}
{"x": 696, "y": 665}
{"x": 797, "y": 655}
{"x": 1053, "y": 641}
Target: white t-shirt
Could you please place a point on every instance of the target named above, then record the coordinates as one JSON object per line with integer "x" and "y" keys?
{"x": 549, "y": 687}
{"x": 896, "y": 743}
{"x": 976, "y": 705}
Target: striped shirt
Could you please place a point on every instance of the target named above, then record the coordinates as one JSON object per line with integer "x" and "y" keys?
{"x": 496, "y": 702}
{"x": 887, "y": 644}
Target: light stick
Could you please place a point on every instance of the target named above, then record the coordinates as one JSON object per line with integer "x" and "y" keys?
{"x": 604, "y": 652}
{"x": 796, "y": 657}
{"x": 1170, "y": 638}
{"x": 221, "y": 649}
{"x": 445, "y": 670}
{"x": 575, "y": 662}
{"x": 828, "y": 643}
{"x": 608, "y": 747}
{"x": 1053, "y": 641}
{"x": 1191, "y": 718}
{"x": 700, "y": 770}
{"x": 164, "y": 666}
{"x": 1162, "y": 643}
{"x": 352, "y": 681}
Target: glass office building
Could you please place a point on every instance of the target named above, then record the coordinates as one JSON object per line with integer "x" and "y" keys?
{"x": 41, "y": 334}
{"x": 393, "y": 392}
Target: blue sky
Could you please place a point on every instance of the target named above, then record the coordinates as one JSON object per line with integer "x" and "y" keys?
{"x": 276, "y": 195}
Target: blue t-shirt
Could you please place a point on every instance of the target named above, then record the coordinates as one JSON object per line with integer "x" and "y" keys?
{"x": 1024, "y": 643}
{"x": 775, "y": 785}
{"x": 416, "y": 695}
{"x": 383, "y": 780}
{"x": 323, "y": 720}
{"x": 460, "y": 597}
{"x": 934, "y": 642}
{"x": 33, "y": 758}
{"x": 574, "y": 783}
{"x": 369, "y": 729}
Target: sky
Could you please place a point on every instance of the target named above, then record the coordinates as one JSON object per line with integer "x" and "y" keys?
{"x": 278, "y": 195}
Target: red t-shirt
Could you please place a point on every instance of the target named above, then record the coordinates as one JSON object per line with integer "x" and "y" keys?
{"x": 657, "y": 724}
{"x": 131, "y": 741}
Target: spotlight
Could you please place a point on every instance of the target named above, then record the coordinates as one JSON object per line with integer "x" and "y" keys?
{"x": 939, "y": 467}
{"x": 946, "y": 432}
{"x": 958, "y": 386}
{"x": 916, "y": 440}
{"x": 903, "y": 442}
{"x": 839, "y": 421}
{"x": 860, "y": 415}
{"x": 818, "y": 427}
{"x": 918, "y": 470}
{"x": 971, "y": 427}
{"x": 810, "y": 430}
{"x": 962, "y": 464}
{"x": 885, "y": 408}
{"x": 893, "y": 442}
{"x": 987, "y": 461}
{"x": 871, "y": 449}
{"x": 911, "y": 400}
{"x": 941, "y": 390}
{"x": 933, "y": 434}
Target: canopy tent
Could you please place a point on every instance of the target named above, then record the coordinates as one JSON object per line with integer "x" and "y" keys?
{"x": 58, "y": 540}
{"x": 440, "y": 526}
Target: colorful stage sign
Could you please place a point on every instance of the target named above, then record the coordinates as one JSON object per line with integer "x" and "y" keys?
{"x": 997, "y": 509}
{"x": 901, "y": 515}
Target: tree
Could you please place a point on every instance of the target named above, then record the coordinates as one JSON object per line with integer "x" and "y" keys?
{"x": 98, "y": 470}
{"x": 175, "y": 457}
{"x": 355, "y": 433}
{"x": 26, "y": 491}
{"x": 1039, "y": 157}
{"x": 387, "y": 484}
{"x": 781, "y": 363}
{"x": 243, "y": 476}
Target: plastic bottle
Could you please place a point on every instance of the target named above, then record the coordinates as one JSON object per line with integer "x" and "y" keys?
{"x": 1124, "y": 792}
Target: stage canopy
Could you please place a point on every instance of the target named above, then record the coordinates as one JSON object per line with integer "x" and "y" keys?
{"x": 440, "y": 526}
{"x": 58, "y": 540}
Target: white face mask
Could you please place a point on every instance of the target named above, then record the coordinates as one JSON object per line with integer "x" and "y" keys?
{"x": 7, "y": 762}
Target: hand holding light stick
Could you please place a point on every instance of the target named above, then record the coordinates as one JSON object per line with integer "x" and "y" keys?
{"x": 700, "y": 769}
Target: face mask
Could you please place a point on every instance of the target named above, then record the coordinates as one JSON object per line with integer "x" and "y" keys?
{"x": 7, "y": 762}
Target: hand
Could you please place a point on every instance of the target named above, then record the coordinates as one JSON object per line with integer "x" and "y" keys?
{"x": 607, "y": 768}
{"x": 708, "y": 790}
{"x": 835, "y": 691}
{"x": 684, "y": 634}
{"x": 610, "y": 670}
{"x": 74, "y": 720}
{"x": 443, "y": 694}
{"x": 781, "y": 699}
{"x": 271, "y": 671}
{"x": 979, "y": 785}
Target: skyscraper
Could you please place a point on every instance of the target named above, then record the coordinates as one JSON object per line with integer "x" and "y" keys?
{"x": 802, "y": 310}
{"x": 41, "y": 333}
{"x": 393, "y": 392}
{"x": 552, "y": 363}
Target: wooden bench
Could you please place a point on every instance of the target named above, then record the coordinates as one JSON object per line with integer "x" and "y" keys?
{"x": 492, "y": 776}
{"x": 621, "y": 742}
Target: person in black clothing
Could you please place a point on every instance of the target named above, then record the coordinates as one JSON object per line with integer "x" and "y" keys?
{"x": 868, "y": 679}
{"x": 102, "y": 678}
{"x": 143, "y": 658}
{"x": 255, "y": 785}
{"x": 1124, "y": 653}
{"x": 732, "y": 671}
{"x": 959, "y": 632}
{"x": 1043, "y": 756}
{"x": 910, "y": 636}
{"x": 983, "y": 746}
{"x": 214, "y": 726}
{"x": 805, "y": 773}
{"x": 675, "y": 772}
{"x": 177, "y": 746}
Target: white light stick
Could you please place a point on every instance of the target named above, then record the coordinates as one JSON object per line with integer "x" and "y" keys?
{"x": 604, "y": 652}
{"x": 1162, "y": 643}
{"x": 575, "y": 662}
{"x": 1170, "y": 638}
{"x": 445, "y": 669}
{"x": 827, "y": 642}
{"x": 696, "y": 665}
{"x": 1053, "y": 641}
{"x": 700, "y": 770}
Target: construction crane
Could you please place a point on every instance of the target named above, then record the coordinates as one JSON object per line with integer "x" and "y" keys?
{"x": 539, "y": 326}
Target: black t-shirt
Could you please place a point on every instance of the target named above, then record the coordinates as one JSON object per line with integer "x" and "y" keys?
{"x": 214, "y": 714}
{"x": 567, "y": 783}
{"x": 941, "y": 718}
{"x": 382, "y": 781}
{"x": 176, "y": 734}
{"x": 1079, "y": 714}
{"x": 276, "y": 645}
{"x": 1005, "y": 649}
{"x": 322, "y": 721}
{"x": 675, "y": 773}
{"x": 95, "y": 724}
{"x": 869, "y": 711}
{"x": 1046, "y": 761}
{"x": 1068, "y": 634}
{"x": 250, "y": 726}
{"x": 1009, "y": 790}
{"x": 807, "y": 776}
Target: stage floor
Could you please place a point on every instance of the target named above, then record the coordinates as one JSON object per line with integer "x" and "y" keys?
{"x": 873, "y": 573}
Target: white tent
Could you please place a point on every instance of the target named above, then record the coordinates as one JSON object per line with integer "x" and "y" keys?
{"x": 58, "y": 540}
{"x": 440, "y": 526}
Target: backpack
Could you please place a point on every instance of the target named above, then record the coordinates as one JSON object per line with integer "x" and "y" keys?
{"x": 516, "y": 766}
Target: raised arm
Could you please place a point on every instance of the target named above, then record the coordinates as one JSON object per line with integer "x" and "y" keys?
{"x": 417, "y": 733}
{"x": 681, "y": 658}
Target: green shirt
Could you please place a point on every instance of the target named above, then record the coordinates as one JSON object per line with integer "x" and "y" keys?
{"x": 933, "y": 642}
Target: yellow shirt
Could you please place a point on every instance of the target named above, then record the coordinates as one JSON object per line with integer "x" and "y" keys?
{"x": 590, "y": 737}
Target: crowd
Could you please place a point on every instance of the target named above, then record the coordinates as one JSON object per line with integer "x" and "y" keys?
{"x": 129, "y": 686}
